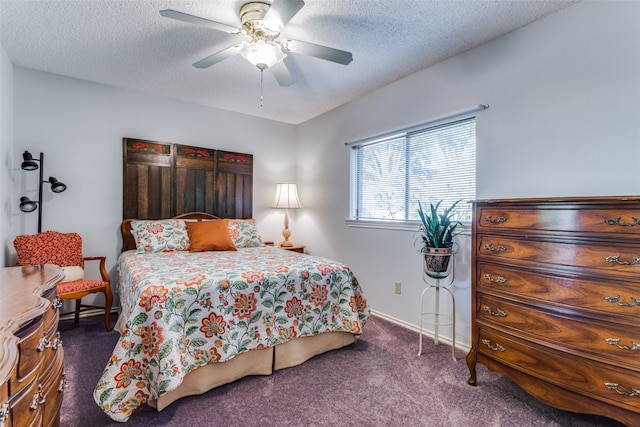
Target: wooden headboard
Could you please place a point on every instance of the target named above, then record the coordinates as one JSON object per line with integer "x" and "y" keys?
{"x": 161, "y": 180}
{"x": 129, "y": 243}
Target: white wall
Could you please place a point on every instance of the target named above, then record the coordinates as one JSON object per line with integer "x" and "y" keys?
{"x": 563, "y": 121}
{"x": 6, "y": 154}
{"x": 80, "y": 125}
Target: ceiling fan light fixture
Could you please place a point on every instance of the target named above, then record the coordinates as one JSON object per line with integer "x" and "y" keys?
{"x": 262, "y": 23}
{"x": 262, "y": 54}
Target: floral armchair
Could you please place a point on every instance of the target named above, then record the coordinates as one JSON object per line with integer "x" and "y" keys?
{"x": 65, "y": 251}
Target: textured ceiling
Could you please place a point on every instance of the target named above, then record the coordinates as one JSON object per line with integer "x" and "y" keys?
{"x": 128, "y": 44}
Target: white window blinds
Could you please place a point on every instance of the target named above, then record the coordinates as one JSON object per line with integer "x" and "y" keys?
{"x": 391, "y": 175}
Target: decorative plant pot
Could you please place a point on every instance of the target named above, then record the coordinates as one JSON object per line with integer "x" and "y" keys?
{"x": 436, "y": 262}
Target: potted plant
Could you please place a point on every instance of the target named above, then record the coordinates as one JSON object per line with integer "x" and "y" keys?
{"x": 437, "y": 232}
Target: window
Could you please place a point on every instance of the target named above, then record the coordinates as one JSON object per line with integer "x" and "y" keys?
{"x": 389, "y": 175}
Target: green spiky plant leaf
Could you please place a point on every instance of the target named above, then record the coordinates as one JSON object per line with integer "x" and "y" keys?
{"x": 437, "y": 229}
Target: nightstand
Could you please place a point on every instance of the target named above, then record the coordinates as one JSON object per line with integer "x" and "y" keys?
{"x": 294, "y": 248}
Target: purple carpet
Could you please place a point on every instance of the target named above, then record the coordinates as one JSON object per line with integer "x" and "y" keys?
{"x": 378, "y": 381}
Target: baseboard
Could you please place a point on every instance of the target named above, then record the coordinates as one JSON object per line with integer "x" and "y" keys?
{"x": 88, "y": 313}
{"x": 416, "y": 329}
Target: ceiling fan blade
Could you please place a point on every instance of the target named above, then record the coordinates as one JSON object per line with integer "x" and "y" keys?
{"x": 217, "y": 57}
{"x": 191, "y": 19}
{"x": 323, "y": 52}
{"x": 280, "y": 13}
{"x": 282, "y": 74}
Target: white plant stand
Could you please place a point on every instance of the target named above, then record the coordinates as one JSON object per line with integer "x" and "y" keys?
{"x": 436, "y": 284}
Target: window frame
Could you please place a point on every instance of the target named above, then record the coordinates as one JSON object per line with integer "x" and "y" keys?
{"x": 405, "y": 225}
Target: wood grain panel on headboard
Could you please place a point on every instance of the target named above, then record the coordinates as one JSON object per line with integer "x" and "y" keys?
{"x": 234, "y": 185}
{"x": 147, "y": 181}
{"x": 195, "y": 179}
{"x": 162, "y": 180}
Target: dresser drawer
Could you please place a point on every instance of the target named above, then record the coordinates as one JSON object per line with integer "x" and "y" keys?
{"x": 54, "y": 342}
{"x": 597, "y": 257}
{"x": 53, "y": 389}
{"x": 30, "y": 354}
{"x": 606, "y": 297}
{"x": 606, "y": 383}
{"x": 606, "y": 342}
{"x": 23, "y": 412}
{"x": 561, "y": 219}
{"x": 52, "y": 315}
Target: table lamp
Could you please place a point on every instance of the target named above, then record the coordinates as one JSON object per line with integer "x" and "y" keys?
{"x": 286, "y": 198}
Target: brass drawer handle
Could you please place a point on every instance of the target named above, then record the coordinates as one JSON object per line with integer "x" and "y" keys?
{"x": 490, "y": 278}
{"x": 616, "y": 342}
{"x": 57, "y": 304}
{"x": 63, "y": 383}
{"x": 44, "y": 343}
{"x": 617, "y": 221}
{"x": 4, "y": 413}
{"x": 497, "y": 313}
{"x": 614, "y": 387}
{"x": 497, "y": 347}
{"x": 57, "y": 342}
{"x": 498, "y": 220}
{"x": 490, "y": 247}
{"x": 39, "y": 398}
{"x": 615, "y": 259}
{"x": 616, "y": 299}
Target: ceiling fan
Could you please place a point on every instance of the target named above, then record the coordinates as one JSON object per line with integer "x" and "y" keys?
{"x": 261, "y": 26}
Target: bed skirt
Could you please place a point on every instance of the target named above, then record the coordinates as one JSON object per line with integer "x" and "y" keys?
{"x": 257, "y": 362}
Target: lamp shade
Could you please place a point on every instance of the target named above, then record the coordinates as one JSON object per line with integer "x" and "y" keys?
{"x": 56, "y": 186}
{"x": 286, "y": 196}
{"x": 28, "y": 163}
{"x": 27, "y": 205}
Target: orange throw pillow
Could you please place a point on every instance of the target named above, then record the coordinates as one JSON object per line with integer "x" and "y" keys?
{"x": 210, "y": 236}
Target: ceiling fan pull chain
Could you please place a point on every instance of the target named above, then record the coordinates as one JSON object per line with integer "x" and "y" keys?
{"x": 261, "y": 79}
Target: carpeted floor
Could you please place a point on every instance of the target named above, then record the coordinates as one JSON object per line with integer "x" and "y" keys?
{"x": 378, "y": 381}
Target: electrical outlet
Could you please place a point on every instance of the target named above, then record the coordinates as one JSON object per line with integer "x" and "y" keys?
{"x": 398, "y": 287}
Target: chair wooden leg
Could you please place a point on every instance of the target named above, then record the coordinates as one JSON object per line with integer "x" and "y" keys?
{"x": 107, "y": 310}
{"x": 77, "y": 314}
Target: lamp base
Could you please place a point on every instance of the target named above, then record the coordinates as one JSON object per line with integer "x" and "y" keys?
{"x": 286, "y": 233}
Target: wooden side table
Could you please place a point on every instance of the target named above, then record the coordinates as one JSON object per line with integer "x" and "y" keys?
{"x": 294, "y": 248}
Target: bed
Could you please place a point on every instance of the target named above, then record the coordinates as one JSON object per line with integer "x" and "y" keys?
{"x": 191, "y": 321}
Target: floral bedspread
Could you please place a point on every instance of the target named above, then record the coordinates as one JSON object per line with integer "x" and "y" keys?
{"x": 184, "y": 310}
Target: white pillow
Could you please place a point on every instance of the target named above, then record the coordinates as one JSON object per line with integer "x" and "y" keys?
{"x": 72, "y": 273}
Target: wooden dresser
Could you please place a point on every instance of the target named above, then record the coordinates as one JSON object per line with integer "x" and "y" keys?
{"x": 31, "y": 355}
{"x": 556, "y": 300}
